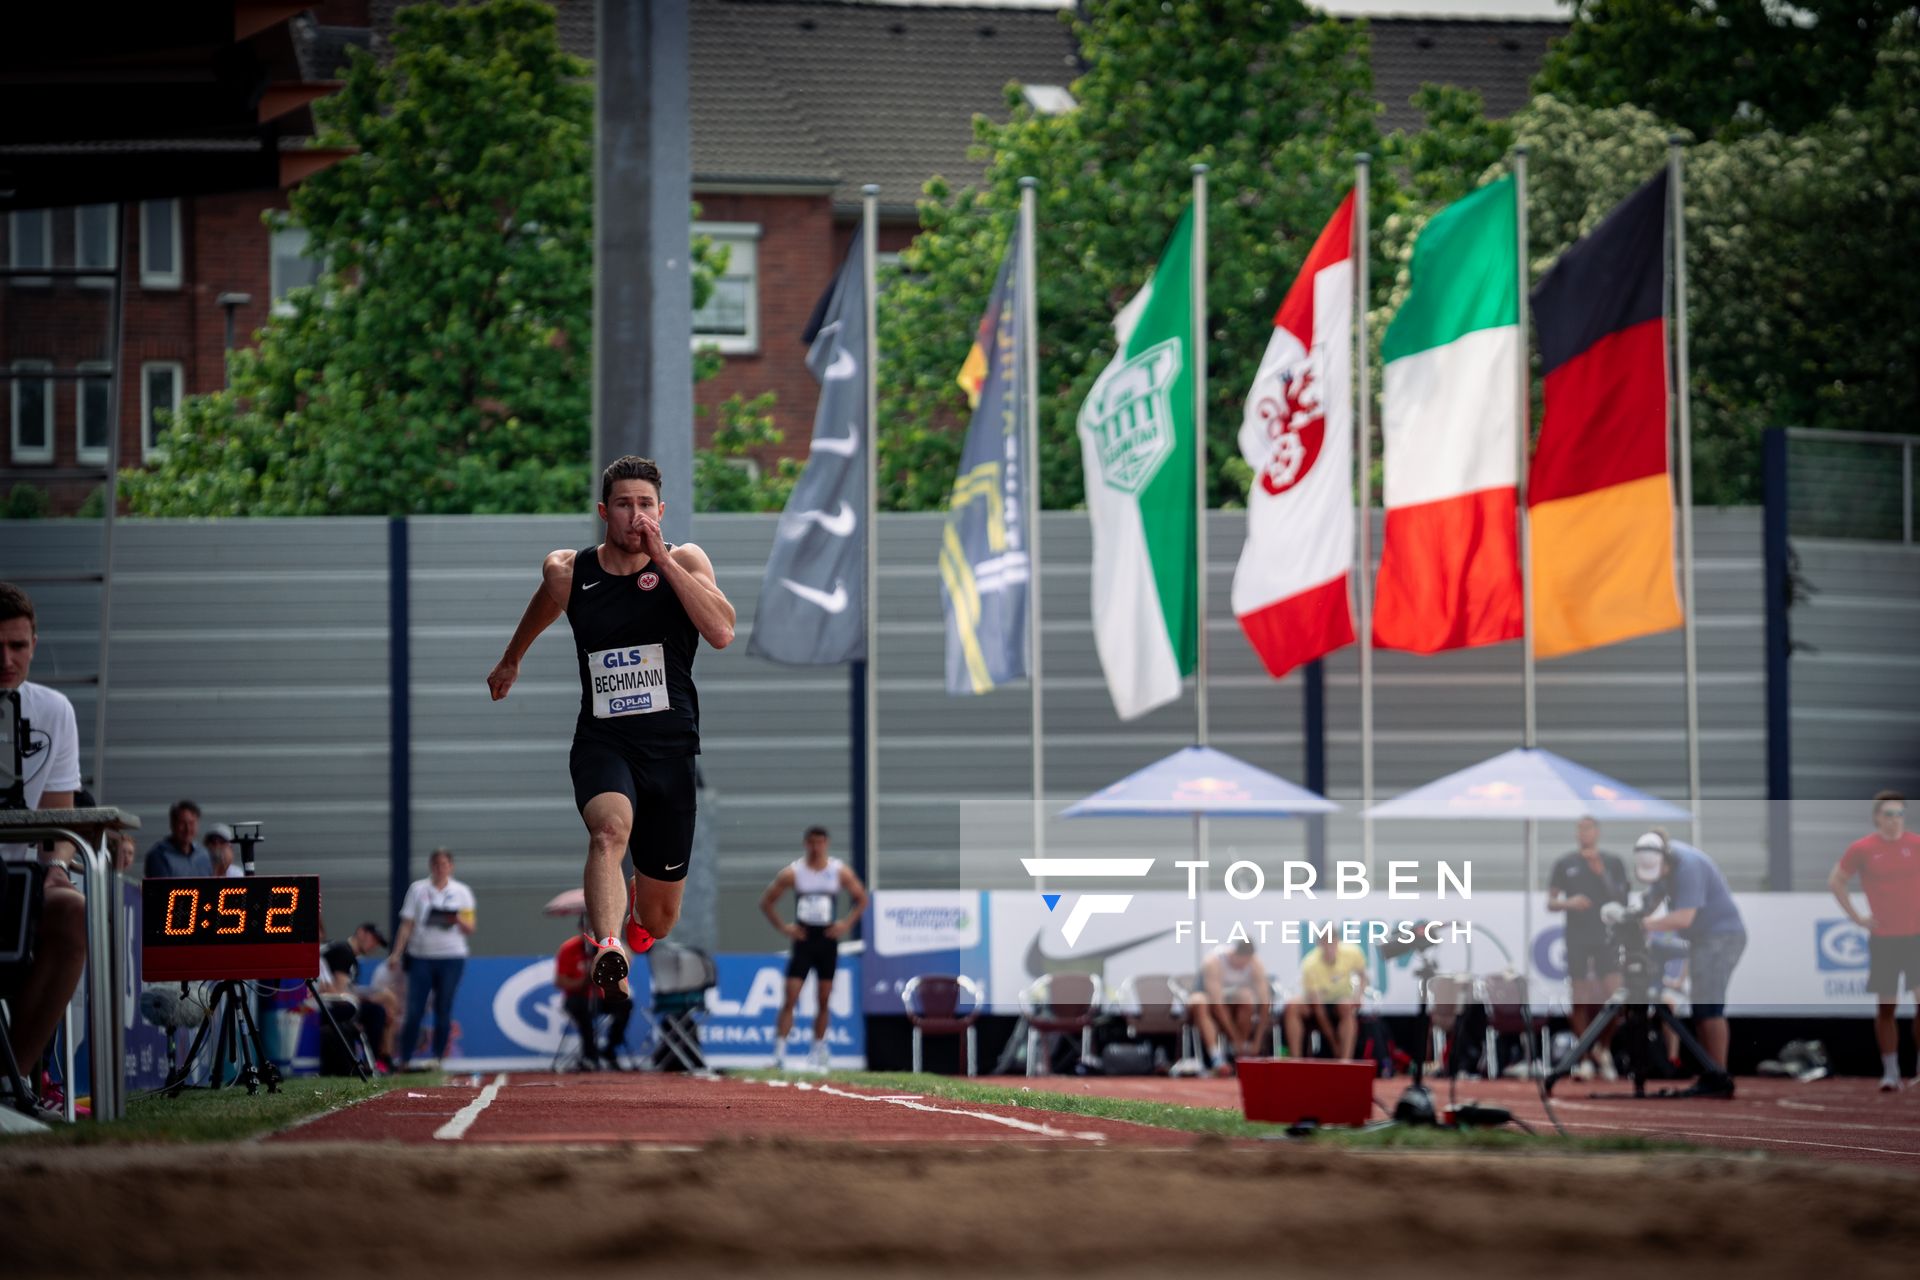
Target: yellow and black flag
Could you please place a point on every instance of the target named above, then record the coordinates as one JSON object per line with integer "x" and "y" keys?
{"x": 984, "y": 566}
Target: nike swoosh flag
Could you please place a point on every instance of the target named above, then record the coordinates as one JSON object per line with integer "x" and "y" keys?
{"x": 983, "y": 551}
{"x": 812, "y": 610}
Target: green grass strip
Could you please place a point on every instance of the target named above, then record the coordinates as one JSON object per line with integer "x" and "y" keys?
{"x": 1219, "y": 1121}
{"x": 224, "y": 1115}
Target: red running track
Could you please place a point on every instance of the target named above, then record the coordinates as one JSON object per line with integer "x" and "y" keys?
{"x": 680, "y": 1110}
{"x": 1845, "y": 1120}
{"x": 1837, "y": 1119}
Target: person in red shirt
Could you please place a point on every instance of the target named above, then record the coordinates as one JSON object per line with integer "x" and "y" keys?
{"x": 1888, "y": 864}
{"x": 570, "y": 965}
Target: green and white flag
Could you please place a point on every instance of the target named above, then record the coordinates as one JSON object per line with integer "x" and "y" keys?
{"x": 1137, "y": 445}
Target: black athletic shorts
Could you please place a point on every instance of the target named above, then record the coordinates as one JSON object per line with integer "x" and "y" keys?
{"x": 661, "y": 792}
{"x": 815, "y": 953}
{"x": 1591, "y": 960}
{"x": 1887, "y": 959}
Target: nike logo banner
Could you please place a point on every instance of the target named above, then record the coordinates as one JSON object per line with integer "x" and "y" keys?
{"x": 811, "y": 612}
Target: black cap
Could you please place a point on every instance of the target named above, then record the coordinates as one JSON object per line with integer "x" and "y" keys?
{"x": 378, "y": 936}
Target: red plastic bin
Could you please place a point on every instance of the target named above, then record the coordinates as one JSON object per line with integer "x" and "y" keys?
{"x": 1283, "y": 1090}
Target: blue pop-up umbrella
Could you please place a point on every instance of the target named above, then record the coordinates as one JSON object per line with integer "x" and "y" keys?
{"x": 1201, "y": 782}
{"x": 1531, "y": 784}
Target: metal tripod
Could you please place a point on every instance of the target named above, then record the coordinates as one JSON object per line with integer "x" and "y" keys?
{"x": 1644, "y": 1017}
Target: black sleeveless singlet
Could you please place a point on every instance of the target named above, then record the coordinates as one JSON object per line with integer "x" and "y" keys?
{"x": 635, "y": 645}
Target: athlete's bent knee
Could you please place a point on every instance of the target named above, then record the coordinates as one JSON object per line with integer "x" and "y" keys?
{"x": 658, "y": 918}
{"x": 607, "y": 839}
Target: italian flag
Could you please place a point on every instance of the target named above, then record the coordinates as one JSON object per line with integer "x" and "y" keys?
{"x": 1449, "y": 567}
{"x": 1137, "y": 446}
{"x": 1290, "y": 588}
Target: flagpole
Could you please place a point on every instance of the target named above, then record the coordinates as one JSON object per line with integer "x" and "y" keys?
{"x": 1522, "y": 278}
{"x": 1198, "y": 292}
{"x": 1683, "y": 391}
{"x": 1030, "y": 479}
{"x": 1363, "y": 454}
{"x": 869, "y": 232}
{"x": 1199, "y": 318}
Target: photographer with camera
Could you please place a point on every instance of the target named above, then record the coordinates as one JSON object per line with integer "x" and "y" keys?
{"x": 1581, "y": 883}
{"x": 1699, "y": 907}
{"x": 1888, "y": 864}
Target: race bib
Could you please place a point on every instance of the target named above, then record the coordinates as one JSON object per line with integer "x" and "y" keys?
{"x": 815, "y": 909}
{"x": 628, "y": 682}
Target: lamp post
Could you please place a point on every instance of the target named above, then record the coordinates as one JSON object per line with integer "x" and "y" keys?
{"x": 230, "y": 302}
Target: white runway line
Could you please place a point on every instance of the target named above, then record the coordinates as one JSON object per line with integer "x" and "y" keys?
{"x": 913, "y": 1103}
{"x": 456, "y": 1128}
{"x": 918, "y": 1102}
{"x": 1743, "y": 1137}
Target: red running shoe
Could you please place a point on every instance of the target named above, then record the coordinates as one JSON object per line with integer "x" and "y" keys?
{"x": 609, "y": 971}
{"x": 639, "y": 941}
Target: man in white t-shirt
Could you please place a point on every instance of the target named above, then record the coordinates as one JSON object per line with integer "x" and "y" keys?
{"x": 436, "y": 919}
{"x": 52, "y": 769}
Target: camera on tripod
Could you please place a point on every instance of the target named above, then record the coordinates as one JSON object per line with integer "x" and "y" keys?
{"x": 1639, "y": 968}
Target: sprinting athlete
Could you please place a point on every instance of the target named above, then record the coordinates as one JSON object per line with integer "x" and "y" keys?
{"x": 639, "y": 608}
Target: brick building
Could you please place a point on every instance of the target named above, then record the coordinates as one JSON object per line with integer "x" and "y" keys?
{"x": 795, "y": 106}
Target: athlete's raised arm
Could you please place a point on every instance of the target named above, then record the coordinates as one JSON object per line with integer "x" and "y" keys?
{"x": 548, "y": 603}
{"x": 690, "y": 573}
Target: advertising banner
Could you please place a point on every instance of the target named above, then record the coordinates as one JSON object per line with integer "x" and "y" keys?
{"x": 1802, "y": 956}
{"x": 508, "y": 1015}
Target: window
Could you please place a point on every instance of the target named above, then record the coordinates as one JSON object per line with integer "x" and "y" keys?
{"x": 160, "y": 388}
{"x": 92, "y": 438}
{"x": 731, "y": 319}
{"x": 96, "y": 242}
{"x": 292, "y": 268}
{"x": 32, "y": 412}
{"x": 1048, "y": 99}
{"x": 160, "y": 244}
{"x": 30, "y": 243}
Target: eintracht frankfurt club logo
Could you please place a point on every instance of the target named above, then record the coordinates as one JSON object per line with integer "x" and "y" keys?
{"x": 1295, "y": 426}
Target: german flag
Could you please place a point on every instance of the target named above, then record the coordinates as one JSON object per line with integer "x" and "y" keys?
{"x": 1598, "y": 496}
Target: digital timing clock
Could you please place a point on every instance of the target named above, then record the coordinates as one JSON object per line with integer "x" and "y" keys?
{"x": 240, "y": 927}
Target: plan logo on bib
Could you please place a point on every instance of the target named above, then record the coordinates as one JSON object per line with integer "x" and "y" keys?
{"x": 1130, "y": 416}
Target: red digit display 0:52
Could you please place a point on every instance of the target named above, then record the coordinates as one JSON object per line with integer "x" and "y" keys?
{"x": 252, "y": 927}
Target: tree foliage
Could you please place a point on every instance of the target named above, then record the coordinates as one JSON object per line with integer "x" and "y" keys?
{"x": 1714, "y": 66}
{"x": 1804, "y": 294}
{"x": 1274, "y": 99}
{"x": 443, "y": 362}
{"x": 1805, "y": 306}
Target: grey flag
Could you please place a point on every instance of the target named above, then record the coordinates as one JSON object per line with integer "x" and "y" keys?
{"x": 812, "y": 609}
{"x": 983, "y": 551}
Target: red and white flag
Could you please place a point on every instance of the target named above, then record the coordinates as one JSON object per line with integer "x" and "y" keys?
{"x": 1290, "y": 590}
